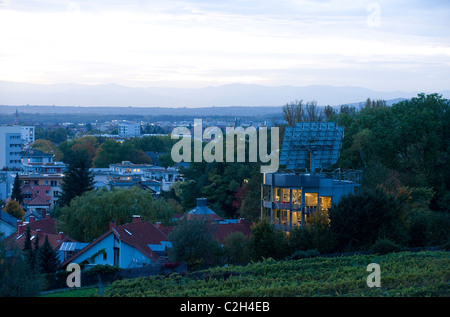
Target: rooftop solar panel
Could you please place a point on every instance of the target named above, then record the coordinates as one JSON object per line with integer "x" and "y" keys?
{"x": 321, "y": 141}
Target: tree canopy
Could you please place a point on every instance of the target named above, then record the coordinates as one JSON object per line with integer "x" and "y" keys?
{"x": 89, "y": 215}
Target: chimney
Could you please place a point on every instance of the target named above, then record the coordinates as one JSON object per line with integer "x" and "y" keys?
{"x": 61, "y": 236}
{"x": 48, "y": 216}
{"x": 158, "y": 225}
{"x": 20, "y": 227}
{"x": 31, "y": 219}
{"x": 136, "y": 218}
{"x": 112, "y": 224}
{"x": 202, "y": 202}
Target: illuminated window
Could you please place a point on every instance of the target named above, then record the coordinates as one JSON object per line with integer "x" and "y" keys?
{"x": 311, "y": 199}
{"x": 325, "y": 202}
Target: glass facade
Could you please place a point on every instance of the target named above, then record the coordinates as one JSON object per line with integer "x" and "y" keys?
{"x": 289, "y": 206}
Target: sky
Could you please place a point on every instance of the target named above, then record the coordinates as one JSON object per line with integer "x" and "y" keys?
{"x": 381, "y": 45}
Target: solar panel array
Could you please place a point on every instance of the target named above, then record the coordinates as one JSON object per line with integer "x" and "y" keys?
{"x": 323, "y": 140}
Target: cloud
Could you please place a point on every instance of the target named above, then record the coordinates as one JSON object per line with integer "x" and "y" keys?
{"x": 202, "y": 42}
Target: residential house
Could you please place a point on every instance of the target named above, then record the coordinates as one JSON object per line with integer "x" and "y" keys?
{"x": 128, "y": 169}
{"x": 36, "y": 197}
{"x": 38, "y": 205}
{"x": 52, "y": 181}
{"x": 42, "y": 228}
{"x": 135, "y": 244}
{"x": 44, "y": 167}
{"x": 35, "y": 156}
{"x": 167, "y": 176}
{"x": 153, "y": 186}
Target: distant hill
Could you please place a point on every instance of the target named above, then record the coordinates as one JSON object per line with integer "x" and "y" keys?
{"x": 237, "y": 95}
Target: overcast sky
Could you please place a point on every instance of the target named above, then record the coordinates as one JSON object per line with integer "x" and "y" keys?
{"x": 381, "y": 45}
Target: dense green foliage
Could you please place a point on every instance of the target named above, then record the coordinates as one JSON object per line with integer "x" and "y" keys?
{"x": 226, "y": 185}
{"x": 192, "y": 243}
{"x": 89, "y": 215}
{"x": 102, "y": 151}
{"x": 17, "y": 278}
{"x": 402, "y": 274}
{"x": 405, "y": 145}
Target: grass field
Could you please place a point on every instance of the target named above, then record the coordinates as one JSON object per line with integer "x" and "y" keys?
{"x": 402, "y": 274}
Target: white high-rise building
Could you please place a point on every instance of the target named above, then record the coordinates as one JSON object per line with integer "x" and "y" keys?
{"x": 129, "y": 129}
{"x": 11, "y": 147}
{"x": 27, "y": 135}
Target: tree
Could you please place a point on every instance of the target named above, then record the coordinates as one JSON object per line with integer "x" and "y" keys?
{"x": 313, "y": 112}
{"x": 16, "y": 278}
{"x": 293, "y": 112}
{"x": 16, "y": 193}
{"x": 329, "y": 113}
{"x": 111, "y": 152}
{"x": 267, "y": 242}
{"x": 14, "y": 209}
{"x": 88, "y": 216}
{"x": 236, "y": 246}
{"x": 28, "y": 252}
{"x": 192, "y": 242}
{"x": 48, "y": 146}
{"x": 48, "y": 258}
{"x": 359, "y": 219}
{"x": 77, "y": 178}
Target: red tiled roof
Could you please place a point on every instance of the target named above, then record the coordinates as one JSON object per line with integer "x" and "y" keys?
{"x": 38, "y": 201}
{"x": 44, "y": 227}
{"x": 222, "y": 230}
{"x": 140, "y": 234}
{"x": 55, "y": 240}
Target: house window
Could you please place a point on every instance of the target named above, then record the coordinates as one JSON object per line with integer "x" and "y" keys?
{"x": 116, "y": 256}
{"x": 104, "y": 256}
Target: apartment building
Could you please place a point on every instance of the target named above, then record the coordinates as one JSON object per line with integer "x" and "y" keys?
{"x": 10, "y": 147}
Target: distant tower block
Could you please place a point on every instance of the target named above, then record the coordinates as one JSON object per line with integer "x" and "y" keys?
{"x": 16, "y": 118}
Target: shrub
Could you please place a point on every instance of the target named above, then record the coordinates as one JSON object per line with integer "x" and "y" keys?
{"x": 384, "y": 246}
{"x": 300, "y": 254}
{"x": 360, "y": 218}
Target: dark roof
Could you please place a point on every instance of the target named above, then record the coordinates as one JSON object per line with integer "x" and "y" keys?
{"x": 222, "y": 230}
{"x": 33, "y": 152}
{"x": 44, "y": 227}
{"x": 4, "y": 216}
{"x": 202, "y": 210}
{"x": 38, "y": 201}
